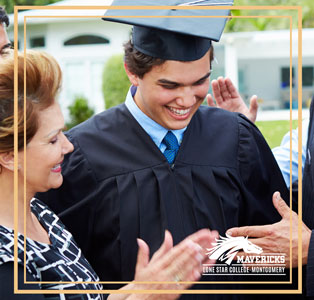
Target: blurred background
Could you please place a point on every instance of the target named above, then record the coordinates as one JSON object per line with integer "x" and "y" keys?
{"x": 254, "y": 52}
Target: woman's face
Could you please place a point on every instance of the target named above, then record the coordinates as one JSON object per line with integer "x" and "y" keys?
{"x": 45, "y": 152}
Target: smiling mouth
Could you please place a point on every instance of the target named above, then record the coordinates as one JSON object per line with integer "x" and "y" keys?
{"x": 57, "y": 167}
{"x": 179, "y": 112}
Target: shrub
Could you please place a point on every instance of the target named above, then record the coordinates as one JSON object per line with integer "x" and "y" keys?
{"x": 115, "y": 81}
{"x": 79, "y": 111}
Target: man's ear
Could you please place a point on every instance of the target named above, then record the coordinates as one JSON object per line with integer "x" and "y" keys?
{"x": 7, "y": 160}
{"x": 134, "y": 79}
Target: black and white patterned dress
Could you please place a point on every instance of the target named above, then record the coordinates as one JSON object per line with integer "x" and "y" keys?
{"x": 61, "y": 261}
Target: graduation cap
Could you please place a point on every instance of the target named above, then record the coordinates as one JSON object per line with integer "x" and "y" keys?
{"x": 172, "y": 34}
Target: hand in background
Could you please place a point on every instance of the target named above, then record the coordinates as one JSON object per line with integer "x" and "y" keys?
{"x": 228, "y": 98}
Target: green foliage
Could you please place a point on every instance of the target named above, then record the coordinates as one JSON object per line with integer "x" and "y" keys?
{"x": 115, "y": 81}
{"x": 307, "y": 14}
{"x": 273, "y": 131}
{"x": 269, "y": 23}
{"x": 79, "y": 111}
{"x": 9, "y": 4}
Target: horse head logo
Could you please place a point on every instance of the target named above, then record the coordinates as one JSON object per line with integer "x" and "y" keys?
{"x": 226, "y": 248}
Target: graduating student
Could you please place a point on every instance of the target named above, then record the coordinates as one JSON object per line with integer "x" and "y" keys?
{"x": 161, "y": 160}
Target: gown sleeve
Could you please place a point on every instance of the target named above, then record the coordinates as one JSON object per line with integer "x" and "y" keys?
{"x": 261, "y": 177}
{"x": 259, "y": 173}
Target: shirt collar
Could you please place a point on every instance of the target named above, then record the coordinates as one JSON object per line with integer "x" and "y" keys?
{"x": 152, "y": 128}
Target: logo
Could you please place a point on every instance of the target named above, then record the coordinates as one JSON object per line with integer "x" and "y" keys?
{"x": 253, "y": 262}
{"x": 228, "y": 247}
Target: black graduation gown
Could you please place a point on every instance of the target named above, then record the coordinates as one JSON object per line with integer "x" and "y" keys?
{"x": 308, "y": 202}
{"x": 118, "y": 185}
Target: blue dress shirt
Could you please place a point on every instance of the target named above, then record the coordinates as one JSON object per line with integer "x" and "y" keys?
{"x": 152, "y": 128}
{"x": 282, "y": 153}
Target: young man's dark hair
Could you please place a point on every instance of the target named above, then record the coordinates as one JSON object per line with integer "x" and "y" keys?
{"x": 139, "y": 63}
{"x": 4, "y": 17}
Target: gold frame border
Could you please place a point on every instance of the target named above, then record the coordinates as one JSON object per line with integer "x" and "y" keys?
{"x": 299, "y": 10}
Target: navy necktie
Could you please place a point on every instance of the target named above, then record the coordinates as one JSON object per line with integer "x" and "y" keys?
{"x": 172, "y": 145}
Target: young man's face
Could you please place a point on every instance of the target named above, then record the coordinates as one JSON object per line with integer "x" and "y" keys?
{"x": 4, "y": 41}
{"x": 171, "y": 93}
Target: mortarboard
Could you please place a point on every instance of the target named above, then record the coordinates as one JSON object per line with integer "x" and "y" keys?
{"x": 172, "y": 34}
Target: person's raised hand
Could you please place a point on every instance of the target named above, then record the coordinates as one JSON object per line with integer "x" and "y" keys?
{"x": 227, "y": 97}
{"x": 171, "y": 268}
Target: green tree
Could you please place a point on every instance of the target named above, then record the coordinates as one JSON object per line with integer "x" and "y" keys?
{"x": 259, "y": 24}
{"x": 79, "y": 111}
{"x": 307, "y": 13}
{"x": 115, "y": 81}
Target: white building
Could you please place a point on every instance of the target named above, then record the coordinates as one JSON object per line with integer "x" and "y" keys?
{"x": 80, "y": 45}
{"x": 262, "y": 61}
{"x": 258, "y": 62}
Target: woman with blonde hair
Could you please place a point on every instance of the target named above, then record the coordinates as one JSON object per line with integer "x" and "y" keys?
{"x": 52, "y": 256}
